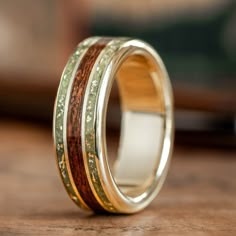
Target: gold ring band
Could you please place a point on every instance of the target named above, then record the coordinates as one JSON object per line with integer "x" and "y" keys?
{"x": 146, "y": 129}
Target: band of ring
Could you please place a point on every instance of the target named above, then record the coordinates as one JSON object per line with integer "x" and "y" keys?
{"x": 78, "y": 142}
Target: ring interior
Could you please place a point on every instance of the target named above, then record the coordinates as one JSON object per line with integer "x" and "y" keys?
{"x": 139, "y": 81}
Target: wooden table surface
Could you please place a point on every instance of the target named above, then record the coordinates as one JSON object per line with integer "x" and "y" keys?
{"x": 198, "y": 198}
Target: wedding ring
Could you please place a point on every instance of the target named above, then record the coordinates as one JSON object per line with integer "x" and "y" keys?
{"x": 146, "y": 138}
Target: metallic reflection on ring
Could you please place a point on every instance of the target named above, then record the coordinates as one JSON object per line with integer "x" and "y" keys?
{"x": 146, "y": 128}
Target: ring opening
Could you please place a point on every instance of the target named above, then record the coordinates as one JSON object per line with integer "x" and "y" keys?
{"x": 139, "y": 81}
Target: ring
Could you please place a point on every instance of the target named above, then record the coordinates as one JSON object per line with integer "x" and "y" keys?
{"x": 147, "y": 129}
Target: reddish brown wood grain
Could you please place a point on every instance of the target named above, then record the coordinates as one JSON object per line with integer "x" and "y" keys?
{"x": 74, "y": 125}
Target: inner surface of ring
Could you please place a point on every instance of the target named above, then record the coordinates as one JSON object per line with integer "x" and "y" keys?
{"x": 143, "y": 122}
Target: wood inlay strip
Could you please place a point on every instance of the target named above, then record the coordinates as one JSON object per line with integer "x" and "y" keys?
{"x": 74, "y": 123}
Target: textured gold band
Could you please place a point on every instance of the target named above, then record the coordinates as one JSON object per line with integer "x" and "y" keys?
{"x": 146, "y": 132}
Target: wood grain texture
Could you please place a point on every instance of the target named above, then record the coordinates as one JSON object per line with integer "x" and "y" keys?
{"x": 198, "y": 198}
{"x": 74, "y": 125}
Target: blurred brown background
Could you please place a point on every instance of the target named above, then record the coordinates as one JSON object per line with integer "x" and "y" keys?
{"x": 197, "y": 41}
